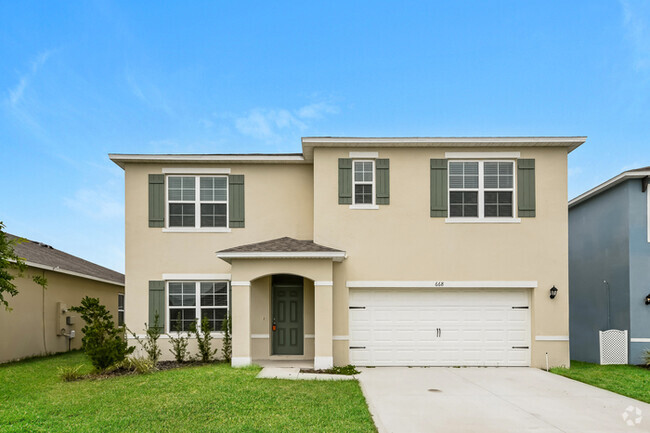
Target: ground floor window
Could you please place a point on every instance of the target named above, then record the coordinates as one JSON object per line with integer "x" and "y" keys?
{"x": 120, "y": 309}
{"x": 189, "y": 301}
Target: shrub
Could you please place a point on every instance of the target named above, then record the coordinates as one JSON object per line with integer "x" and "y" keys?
{"x": 139, "y": 364}
{"x": 104, "y": 344}
{"x": 70, "y": 374}
{"x": 347, "y": 370}
{"x": 179, "y": 343}
{"x": 204, "y": 340}
{"x": 150, "y": 341}
{"x": 226, "y": 347}
{"x": 646, "y": 358}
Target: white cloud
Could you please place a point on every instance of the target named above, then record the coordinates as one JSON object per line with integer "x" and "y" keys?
{"x": 96, "y": 203}
{"x": 148, "y": 93}
{"x": 636, "y": 15}
{"x": 273, "y": 124}
{"x": 16, "y": 93}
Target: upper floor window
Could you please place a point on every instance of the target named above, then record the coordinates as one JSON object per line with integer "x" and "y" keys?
{"x": 363, "y": 182}
{"x": 481, "y": 189}
{"x": 197, "y": 201}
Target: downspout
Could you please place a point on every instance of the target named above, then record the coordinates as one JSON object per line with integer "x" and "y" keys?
{"x": 609, "y": 326}
{"x": 44, "y": 339}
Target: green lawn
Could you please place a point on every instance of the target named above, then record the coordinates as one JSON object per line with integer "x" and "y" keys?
{"x": 215, "y": 398}
{"x": 627, "y": 380}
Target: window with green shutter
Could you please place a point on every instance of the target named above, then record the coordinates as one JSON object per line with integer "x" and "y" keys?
{"x": 526, "y": 188}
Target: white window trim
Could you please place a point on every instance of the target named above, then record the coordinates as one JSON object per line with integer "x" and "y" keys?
{"x": 481, "y": 195}
{"x": 197, "y": 295}
{"x": 372, "y": 205}
{"x": 197, "y": 206}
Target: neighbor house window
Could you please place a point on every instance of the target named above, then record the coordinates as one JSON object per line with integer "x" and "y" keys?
{"x": 363, "y": 182}
{"x": 481, "y": 189}
{"x": 120, "y": 309}
{"x": 192, "y": 300}
{"x": 197, "y": 201}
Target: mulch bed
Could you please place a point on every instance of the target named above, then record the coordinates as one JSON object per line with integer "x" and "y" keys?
{"x": 161, "y": 366}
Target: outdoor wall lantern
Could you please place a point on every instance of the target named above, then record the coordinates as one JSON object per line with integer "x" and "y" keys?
{"x": 553, "y": 292}
{"x": 647, "y": 299}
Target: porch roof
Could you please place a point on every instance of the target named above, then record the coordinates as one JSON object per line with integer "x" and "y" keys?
{"x": 284, "y": 247}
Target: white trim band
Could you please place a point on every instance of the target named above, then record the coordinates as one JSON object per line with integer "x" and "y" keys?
{"x": 241, "y": 361}
{"x": 323, "y": 283}
{"x": 364, "y": 206}
{"x": 259, "y": 336}
{"x": 552, "y": 338}
{"x": 323, "y": 362}
{"x": 374, "y": 155}
{"x": 482, "y": 155}
{"x": 310, "y": 336}
{"x": 195, "y": 170}
{"x": 639, "y": 340}
{"x": 443, "y": 284}
{"x": 195, "y": 277}
{"x": 240, "y": 283}
{"x": 65, "y": 271}
{"x": 341, "y": 337}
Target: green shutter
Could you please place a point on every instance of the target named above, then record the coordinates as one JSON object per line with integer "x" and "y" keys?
{"x": 157, "y": 304}
{"x": 382, "y": 167}
{"x": 156, "y": 200}
{"x": 345, "y": 181}
{"x": 236, "y": 200}
{"x": 439, "y": 188}
{"x": 526, "y": 187}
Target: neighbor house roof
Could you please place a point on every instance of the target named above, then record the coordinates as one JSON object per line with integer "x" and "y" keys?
{"x": 42, "y": 256}
{"x": 637, "y": 173}
{"x": 281, "y": 248}
{"x": 309, "y": 143}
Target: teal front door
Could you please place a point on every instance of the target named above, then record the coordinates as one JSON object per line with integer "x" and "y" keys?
{"x": 287, "y": 315}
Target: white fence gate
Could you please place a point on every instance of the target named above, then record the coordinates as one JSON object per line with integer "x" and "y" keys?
{"x": 613, "y": 347}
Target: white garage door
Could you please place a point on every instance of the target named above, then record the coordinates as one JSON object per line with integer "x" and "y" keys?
{"x": 411, "y": 327}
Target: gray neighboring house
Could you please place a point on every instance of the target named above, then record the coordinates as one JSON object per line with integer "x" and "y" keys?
{"x": 609, "y": 265}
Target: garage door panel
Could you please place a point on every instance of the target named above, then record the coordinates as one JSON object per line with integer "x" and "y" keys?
{"x": 424, "y": 327}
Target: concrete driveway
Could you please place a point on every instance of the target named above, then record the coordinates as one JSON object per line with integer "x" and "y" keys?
{"x": 516, "y": 400}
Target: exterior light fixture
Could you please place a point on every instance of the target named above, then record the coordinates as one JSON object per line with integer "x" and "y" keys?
{"x": 553, "y": 292}
{"x": 647, "y": 299}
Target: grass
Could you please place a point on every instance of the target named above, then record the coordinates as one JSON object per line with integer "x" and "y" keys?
{"x": 627, "y": 380}
{"x": 215, "y": 398}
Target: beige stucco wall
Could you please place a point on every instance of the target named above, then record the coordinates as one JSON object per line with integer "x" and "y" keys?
{"x": 401, "y": 241}
{"x": 278, "y": 202}
{"x": 22, "y": 327}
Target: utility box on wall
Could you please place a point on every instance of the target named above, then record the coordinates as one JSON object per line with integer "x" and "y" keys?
{"x": 61, "y": 318}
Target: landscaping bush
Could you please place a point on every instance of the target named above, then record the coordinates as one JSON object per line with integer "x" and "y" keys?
{"x": 204, "y": 340}
{"x": 150, "y": 342}
{"x": 104, "y": 344}
{"x": 138, "y": 364}
{"x": 179, "y": 343}
{"x": 226, "y": 343}
{"x": 70, "y": 374}
{"x": 646, "y": 358}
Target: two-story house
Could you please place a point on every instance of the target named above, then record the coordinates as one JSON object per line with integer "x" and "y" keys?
{"x": 370, "y": 251}
{"x": 609, "y": 258}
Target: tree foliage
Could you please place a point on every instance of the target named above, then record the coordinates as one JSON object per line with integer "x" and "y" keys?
{"x": 104, "y": 344}
{"x": 204, "y": 339}
{"x": 226, "y": 347}
{"x": 8, "y": 261}
{"x": 150, "y": 342}
{"x": 179, "y": 342}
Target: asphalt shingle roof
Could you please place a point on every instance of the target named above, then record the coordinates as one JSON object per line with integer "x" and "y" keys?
{"x": 42, "y": 254}
{"x": 281, "y": 245}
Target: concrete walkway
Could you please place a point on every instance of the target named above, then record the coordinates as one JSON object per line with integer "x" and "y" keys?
{"x": 293, "y": 373}
{"x": 512, "y": 400}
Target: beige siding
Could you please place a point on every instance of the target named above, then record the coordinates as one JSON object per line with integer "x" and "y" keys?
{"x": 23, "y": 327}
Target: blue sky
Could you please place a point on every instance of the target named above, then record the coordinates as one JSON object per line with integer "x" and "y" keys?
{"x": 81, "y": 79}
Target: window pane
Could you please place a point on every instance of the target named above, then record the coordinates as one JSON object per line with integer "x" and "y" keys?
{"x": 213, "y": 215}
{"x": 363, "y": 194}
{"x": 463, "y": 204}
{"x": 181, "y": 215}
{"x": 181, "y": 188}
{"x": 471, "y": 168}
{"x": 215, "y": 317}
{"x": 498, "y": 204}
{"x": 181, "y": 319}
{"x": 120, "y": 318}
{"x": 120, "y": 302}
{"x": 463, "y": 175}
{"x": 213, "y": 189}
{"x": 498, "y": 175}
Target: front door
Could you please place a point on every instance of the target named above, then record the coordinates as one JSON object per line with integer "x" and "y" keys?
{"x": 287, "y": 315}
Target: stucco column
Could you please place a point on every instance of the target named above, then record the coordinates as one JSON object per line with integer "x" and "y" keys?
{"x": 241, "y": 323}
{"x": 323, "y": 327}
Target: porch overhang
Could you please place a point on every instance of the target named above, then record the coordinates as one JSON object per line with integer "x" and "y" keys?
{"x": 334, "y": 256}
{"x": 282, "y": 248}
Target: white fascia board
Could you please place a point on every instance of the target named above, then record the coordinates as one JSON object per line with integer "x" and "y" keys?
{"x": 120, "y": 158}
{"x": 607, "y": 185}
{"x": 639, "y": 340}
{"x": 65, "y": 271}
{"x": 195, "y": 277}
{"x": 442, "y": 284}
{"x": 482, "y": 155}
{"x": 336, "y": 256}
{"x": 195, "y": 170}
